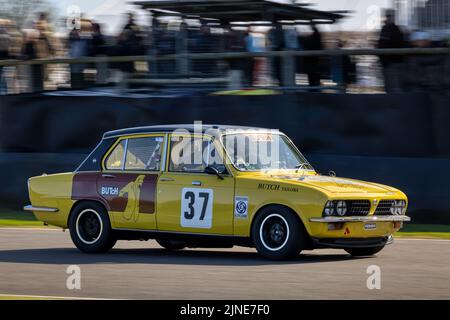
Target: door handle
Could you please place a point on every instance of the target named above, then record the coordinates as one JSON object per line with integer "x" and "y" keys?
{"x": 196, "y": 183}
{"x": 166, "y": 179}
{"x": 108, "y": 176}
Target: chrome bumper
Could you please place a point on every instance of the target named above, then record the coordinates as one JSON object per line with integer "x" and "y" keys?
{"x": 41, "y": 209}
{"x": 362, "y": 219}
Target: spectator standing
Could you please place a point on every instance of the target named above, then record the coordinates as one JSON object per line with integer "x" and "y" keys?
{"x": 166, "y": 44}
{"x": 291, "y": 38}
{"x": 38, "y": 45}
{"x": 155, "y": 35}
{"x": 133, "y": 36}
{"x": 98, "y": 41}
{"x": 424, "y": 73}
{"x": 312, "y": 63}
{"x": 276, "y": 43}
{"x": 98, "y": 49}
{"x": 235, "y": 42}
{"x": 30, "y": 52}
{"x": 10, "y": 48}
{"x": 343, "y": 69}
{"x": 80, "y": 45}
{"x": 204, "y": 42}
{"x": 250, "y": 46}
{"x": 181, "y": 46}
{"x": 299, "y": 61}
{"x": 5, "y": 43}
{"x": 130, "y": 43}
{"x": 391, "y": 37}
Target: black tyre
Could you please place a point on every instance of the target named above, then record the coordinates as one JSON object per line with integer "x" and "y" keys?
{"x": 90, "y": 228}
{"x": 277, "y": 233}
{"x": 171, "y": 244}
{"x": 361, "y": 252}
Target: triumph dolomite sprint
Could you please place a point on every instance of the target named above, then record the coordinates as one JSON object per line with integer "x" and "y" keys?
{"x": 217, "y": 186}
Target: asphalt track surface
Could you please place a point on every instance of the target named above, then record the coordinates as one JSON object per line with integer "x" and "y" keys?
{"x": 34, "y": 262}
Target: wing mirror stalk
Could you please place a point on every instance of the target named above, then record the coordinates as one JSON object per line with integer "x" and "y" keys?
{"x": 212, "y": 170}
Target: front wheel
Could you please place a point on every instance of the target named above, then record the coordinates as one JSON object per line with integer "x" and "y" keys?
{"x": 277, "y": 234}
{"x": 90, "y": 228}
{"x": 361, "y": 252}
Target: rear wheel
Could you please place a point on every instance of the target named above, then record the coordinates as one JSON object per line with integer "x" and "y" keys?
{"x": 90, "y": 228}
{"x": 277, "y": 234}
{"x": 361, "y": 252}
{"x": 171, "y": 244}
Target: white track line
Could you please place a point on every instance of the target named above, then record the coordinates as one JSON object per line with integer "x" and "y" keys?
{"x": 50, "y": 297}
{"x": 32, "y": 229}
{"x": 420, "y": 239}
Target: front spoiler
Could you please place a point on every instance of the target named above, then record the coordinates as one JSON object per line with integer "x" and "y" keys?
{"x": 362, "y": 219}
{"x": 344, "y": 243}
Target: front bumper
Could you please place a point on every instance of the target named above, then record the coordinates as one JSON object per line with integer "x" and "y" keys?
{"x": 371, "y": 226}
{"x": 344, "y": 243}
{"x": 361, "y": 219}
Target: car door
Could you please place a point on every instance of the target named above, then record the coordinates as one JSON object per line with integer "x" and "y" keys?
{"x": 190, "y": 200}
{"x": 128, "y": 181}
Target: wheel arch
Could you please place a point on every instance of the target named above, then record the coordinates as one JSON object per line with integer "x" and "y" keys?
{"x": 294, "y": 213}
{"x": 79, "y": 202}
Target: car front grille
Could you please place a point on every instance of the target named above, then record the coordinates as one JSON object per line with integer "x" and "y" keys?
{"x": 358, "y": 207}
{"x": 384, "y": 208}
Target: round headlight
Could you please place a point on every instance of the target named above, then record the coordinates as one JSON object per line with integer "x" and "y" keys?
{"x": 398, "y": 207}
{"x": 393, "y": 209}
{"x": 329, "y": 208}
{"x": 402, "y": 207}
{"x": 341, "y": 208}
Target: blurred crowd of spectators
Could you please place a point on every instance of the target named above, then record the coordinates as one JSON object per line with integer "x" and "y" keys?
{"x": 26, "y": 44}
{"x": 413, "y": 72}
{"x": 85, "y": 39}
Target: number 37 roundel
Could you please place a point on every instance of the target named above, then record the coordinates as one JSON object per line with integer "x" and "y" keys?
{"x": 196, "y": 208}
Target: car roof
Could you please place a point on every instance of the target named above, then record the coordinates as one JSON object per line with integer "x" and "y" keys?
{"x": 173, "y": 127}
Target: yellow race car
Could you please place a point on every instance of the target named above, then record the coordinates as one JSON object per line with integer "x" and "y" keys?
{"x": 214, "y": 186}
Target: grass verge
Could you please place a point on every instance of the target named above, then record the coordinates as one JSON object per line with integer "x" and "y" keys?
{"x": 439, "y": 231}
{"x": 19, "y": 219}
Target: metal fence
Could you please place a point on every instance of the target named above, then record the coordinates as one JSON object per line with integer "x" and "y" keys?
{"x": 222, "y": 71}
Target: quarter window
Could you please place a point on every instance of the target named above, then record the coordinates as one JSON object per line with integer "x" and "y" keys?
{"x": 115, "y": 158}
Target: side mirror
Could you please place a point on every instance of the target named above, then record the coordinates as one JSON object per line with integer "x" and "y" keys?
{"x": 213, "y": 170}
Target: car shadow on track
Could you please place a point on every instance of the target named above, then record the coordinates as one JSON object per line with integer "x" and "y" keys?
{"x": 158, "y": 256}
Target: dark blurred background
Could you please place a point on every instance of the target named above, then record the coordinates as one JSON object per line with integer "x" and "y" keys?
{"x": 362, "y": 87}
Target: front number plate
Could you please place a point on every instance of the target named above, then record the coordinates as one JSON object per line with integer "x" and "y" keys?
{"x": 370, "y": 226}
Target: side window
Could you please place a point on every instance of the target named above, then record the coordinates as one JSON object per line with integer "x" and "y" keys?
{"x": 144, "y": 153}
{"x": 212, "y": 157}
{"x": 115, "y": 158}
{"x": 193, "y": 154}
